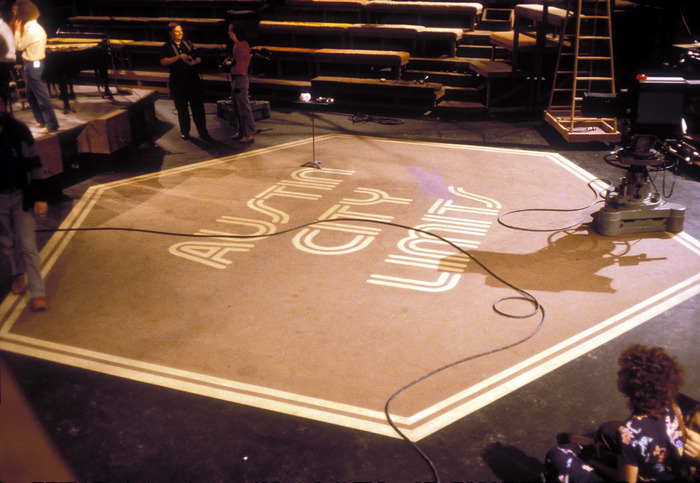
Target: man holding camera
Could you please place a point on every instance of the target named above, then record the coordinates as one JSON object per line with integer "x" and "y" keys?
{"x": 186, "y": 85}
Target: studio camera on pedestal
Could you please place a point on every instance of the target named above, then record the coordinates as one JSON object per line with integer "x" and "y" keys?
{"x": 653, "y": 140}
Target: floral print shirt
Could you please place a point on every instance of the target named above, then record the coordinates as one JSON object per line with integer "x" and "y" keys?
{"x": 652, "y": 445}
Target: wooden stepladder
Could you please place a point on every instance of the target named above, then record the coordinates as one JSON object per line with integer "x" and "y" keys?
{"x": 584, "y": 67}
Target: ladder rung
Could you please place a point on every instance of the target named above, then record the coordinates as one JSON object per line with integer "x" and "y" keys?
{"x": 594, "y": 17}
{"x": 593, "y": 57}
{"x": 595, "y": 78}
{"x": 593, "y": 37}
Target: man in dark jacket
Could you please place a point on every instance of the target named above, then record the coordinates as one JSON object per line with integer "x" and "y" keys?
{"x": 186, "y": 86}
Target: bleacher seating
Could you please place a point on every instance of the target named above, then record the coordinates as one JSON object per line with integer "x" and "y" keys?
{"x": 537, "y": 13}
{"x": 380, "y": 47}
{"x": 149, "y": 28}
{"x": 426, "y": 13}
{"x": 169, "y": 8}
{"x": 139, "y": 54}
{"x": 536, "y": 26}
{"x": 310, "y": 62}
{"x": 377, "y": 59}
{"x": 330, "y": 10}
{"x": 414, "y": 39}
{"x": 304, "y": 34}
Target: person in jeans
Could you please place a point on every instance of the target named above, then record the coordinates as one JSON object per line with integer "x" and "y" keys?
{"x": 30, "y": 40}
{"x": 21, "y": 176}
{"x": 240, "y": 83}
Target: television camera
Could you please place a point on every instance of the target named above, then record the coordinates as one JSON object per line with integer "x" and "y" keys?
{"x": 653, "y": 140}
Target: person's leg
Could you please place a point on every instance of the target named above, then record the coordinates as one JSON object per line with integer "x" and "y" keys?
{"x": 26, "y": 231}
{"x": 5, "y": 78}
{"x": 41, "y": 94}
{"x": 198, "y": 113}
{"x": 564, "y": 463}
{"x": 248, "y": 121}
{"x": 10, "y": 206}
{"x": 183, "y": 113}
{"x": 30, "y": 81}
{"x": 241, "y": 102}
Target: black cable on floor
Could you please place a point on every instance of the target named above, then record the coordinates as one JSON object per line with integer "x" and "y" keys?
{"x": 587, "y": 209}
{"x": 524, "y": 295}
{"x": 359, "y": 118}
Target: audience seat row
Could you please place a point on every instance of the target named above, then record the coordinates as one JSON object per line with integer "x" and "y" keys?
{"x": 169, "y": 8}
{"x": 149, "y": 28}
{"x": 314, "y": 62}
{"x": 427, "y": 13}
{"x": 536, "y": 26}
{"x": 415, "y": 39}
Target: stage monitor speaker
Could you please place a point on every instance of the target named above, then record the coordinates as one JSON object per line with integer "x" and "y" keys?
{"x": 246, "y": 21}
{"x": 106, "y": 134}
{"x": 49, "y": 150}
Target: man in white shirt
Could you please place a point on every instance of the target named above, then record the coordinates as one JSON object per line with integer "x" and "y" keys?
{"x": 30, "y": 40}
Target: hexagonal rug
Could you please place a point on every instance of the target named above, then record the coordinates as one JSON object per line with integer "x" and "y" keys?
{"x": 262, "y": 280}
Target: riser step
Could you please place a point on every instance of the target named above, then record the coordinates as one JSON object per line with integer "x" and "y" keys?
{"x": 464, "y": 94}
{"x": 451, "y": 108}
{"x": 453, "y": 79}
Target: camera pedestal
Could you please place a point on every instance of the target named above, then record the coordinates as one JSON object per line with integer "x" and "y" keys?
{"x": 612, "y": 221}
{"x": 633, "y": 207}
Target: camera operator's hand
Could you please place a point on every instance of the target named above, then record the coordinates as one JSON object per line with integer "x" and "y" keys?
{"x": 692, "y": 444}
{"x": 41, "y": 208}
{"x": 192, "y": 62}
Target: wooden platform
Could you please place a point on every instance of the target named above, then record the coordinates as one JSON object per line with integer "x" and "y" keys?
{"x": 95, "y": 125}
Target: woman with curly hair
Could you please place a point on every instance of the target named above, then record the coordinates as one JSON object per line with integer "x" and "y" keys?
{"x": 648, "y": 446}
{"x": 651, "y": 440}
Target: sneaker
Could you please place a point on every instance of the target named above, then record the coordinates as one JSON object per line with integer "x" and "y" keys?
{"x": 246, "y": 140}
{"x": 184, "y": 136}
{"x": 236, "y": 136}
{"x": 19, "y": 285}
{"x": 38, "y": 304}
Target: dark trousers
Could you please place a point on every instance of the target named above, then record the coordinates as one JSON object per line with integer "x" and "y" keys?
{"x": 190, "y": 96}
{"x": 5, "y": 79}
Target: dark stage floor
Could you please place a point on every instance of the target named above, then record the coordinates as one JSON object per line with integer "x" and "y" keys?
{"x": 103, "y": 428}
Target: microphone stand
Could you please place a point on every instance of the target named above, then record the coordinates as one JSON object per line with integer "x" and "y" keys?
{"x": 323, "y": 101}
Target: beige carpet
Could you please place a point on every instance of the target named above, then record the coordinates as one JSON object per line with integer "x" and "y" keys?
{"x": 329, "y": 320}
